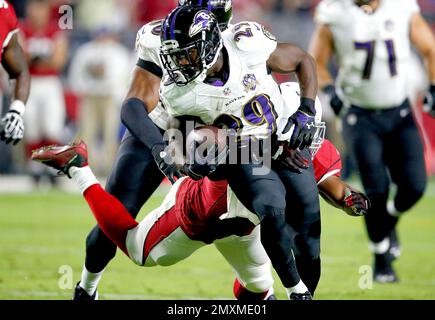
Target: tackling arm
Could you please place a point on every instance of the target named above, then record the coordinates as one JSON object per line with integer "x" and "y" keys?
{"x": 339, "y": 194}
{"x": 142, "y": 97}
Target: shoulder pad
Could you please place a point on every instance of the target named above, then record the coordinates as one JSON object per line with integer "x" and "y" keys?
{"x": 148, "y": 41}
{"x": 329, "y": 11}
{"x": 253, "y": 41}
{"x": 249, "y": 35}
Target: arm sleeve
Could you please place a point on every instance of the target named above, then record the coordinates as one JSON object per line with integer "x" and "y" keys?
{"x": 135, "y": 117}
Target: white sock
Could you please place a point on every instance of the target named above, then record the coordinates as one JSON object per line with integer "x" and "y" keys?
{"x": 299, "y": 288}
{"x": 89, "y": 280}
{"x": 83, "y": 177}
{"x": 380, "y": 247}
{"x": 269, "y": 293}
{"x": 391, "y": 209}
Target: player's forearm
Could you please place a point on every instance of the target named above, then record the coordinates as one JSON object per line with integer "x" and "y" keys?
{"x": 430, "y": 63}
{"x": 22, "y": 86}
{"x": 135, "y": 117}
{"x": 15, "y": 64}
{"x": 307, "y": 76}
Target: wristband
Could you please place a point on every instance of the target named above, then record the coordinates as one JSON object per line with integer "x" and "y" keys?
{"x": 308, "y": 106}
{"x": 18, "y": 106}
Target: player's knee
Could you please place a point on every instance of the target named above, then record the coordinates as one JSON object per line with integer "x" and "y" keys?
{"x": 408, "y": 196}
{"x": 269, "y": 205}
{"x": 308, "y": 246}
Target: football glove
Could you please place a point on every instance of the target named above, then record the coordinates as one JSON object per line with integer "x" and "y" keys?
{"x": 355, "y": 203}
{"x": 291, "y": 158}
{"x": 13, "y": 123}
{"x": 334, "y": 101}
{"x": 429, "y": 101}
{"x": 301, "y": 127}
{"x": 165, "y": 162}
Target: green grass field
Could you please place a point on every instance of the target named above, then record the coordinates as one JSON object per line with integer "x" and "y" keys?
{"x": 43, "y": 234}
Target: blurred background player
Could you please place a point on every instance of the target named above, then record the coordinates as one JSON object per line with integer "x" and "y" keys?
{"x": 372, "y": 41}
{"x": 98, "y": 73}
{"x": 13, "y": 61}
{"x": 46, "y": 48}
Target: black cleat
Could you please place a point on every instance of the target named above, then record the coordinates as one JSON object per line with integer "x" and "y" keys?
{"x": 394, "y": 248}
{"x": 383, "y": 270}
{"x": 271, "y": 297}
{"x": 80, "y": 294}
{"x": 301, "y": 296}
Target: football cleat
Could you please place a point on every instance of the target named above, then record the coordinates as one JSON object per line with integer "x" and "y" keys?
{"x": 271, "y": 297}
{"x": 301, "y": 296}
{"x": 383, "y": 270}
{"x": 64, "y": 157}
{"x": 394, "y": 249}
{"x": 80, "y": 294}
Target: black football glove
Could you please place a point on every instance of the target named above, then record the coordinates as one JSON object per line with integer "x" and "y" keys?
{"x": 429, "y": 101}
{"x": 355, "y": 203}
{"x": 334, "y": 101}
{"x": 301, "y": 126}
{"x": 291, "y": 158}
{"x": 13, "y": 124}
{"x": 165, "y": 162}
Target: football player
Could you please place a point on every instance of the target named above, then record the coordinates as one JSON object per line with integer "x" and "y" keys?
{"x": 14, "y": 62}
{"x": 225, "y": 79}
{"x": 139, "y": 165}
{"x": 372, "y": 41}
{"x": 193, "y": 214}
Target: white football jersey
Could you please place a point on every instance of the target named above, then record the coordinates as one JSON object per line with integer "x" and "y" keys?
{"x": 148, "y": 48}
{"x": 373, "y": 50}
{"x": 250, "y": 99}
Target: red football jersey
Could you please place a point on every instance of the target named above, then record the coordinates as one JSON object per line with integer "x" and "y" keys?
{"x": 40, "y": 44}
{"x": 326, "y": 162}
{"x": 199, "y": 204}
{"x": 8, "y": 24}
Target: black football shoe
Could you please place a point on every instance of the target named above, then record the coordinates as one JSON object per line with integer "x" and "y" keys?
{"x": 271, "y": 297}
{"x": 301, "y": 296}
{"x": 80, "y": 294}
{"x": 383, "y": 270}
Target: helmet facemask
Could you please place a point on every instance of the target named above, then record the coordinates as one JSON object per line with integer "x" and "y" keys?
{"x": 318, "y": 139}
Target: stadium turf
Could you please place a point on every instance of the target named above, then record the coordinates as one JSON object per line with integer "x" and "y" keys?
{"x": 42, "y": 247}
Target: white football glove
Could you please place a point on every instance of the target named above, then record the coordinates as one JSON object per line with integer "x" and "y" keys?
{"x": 13, "y": 123}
